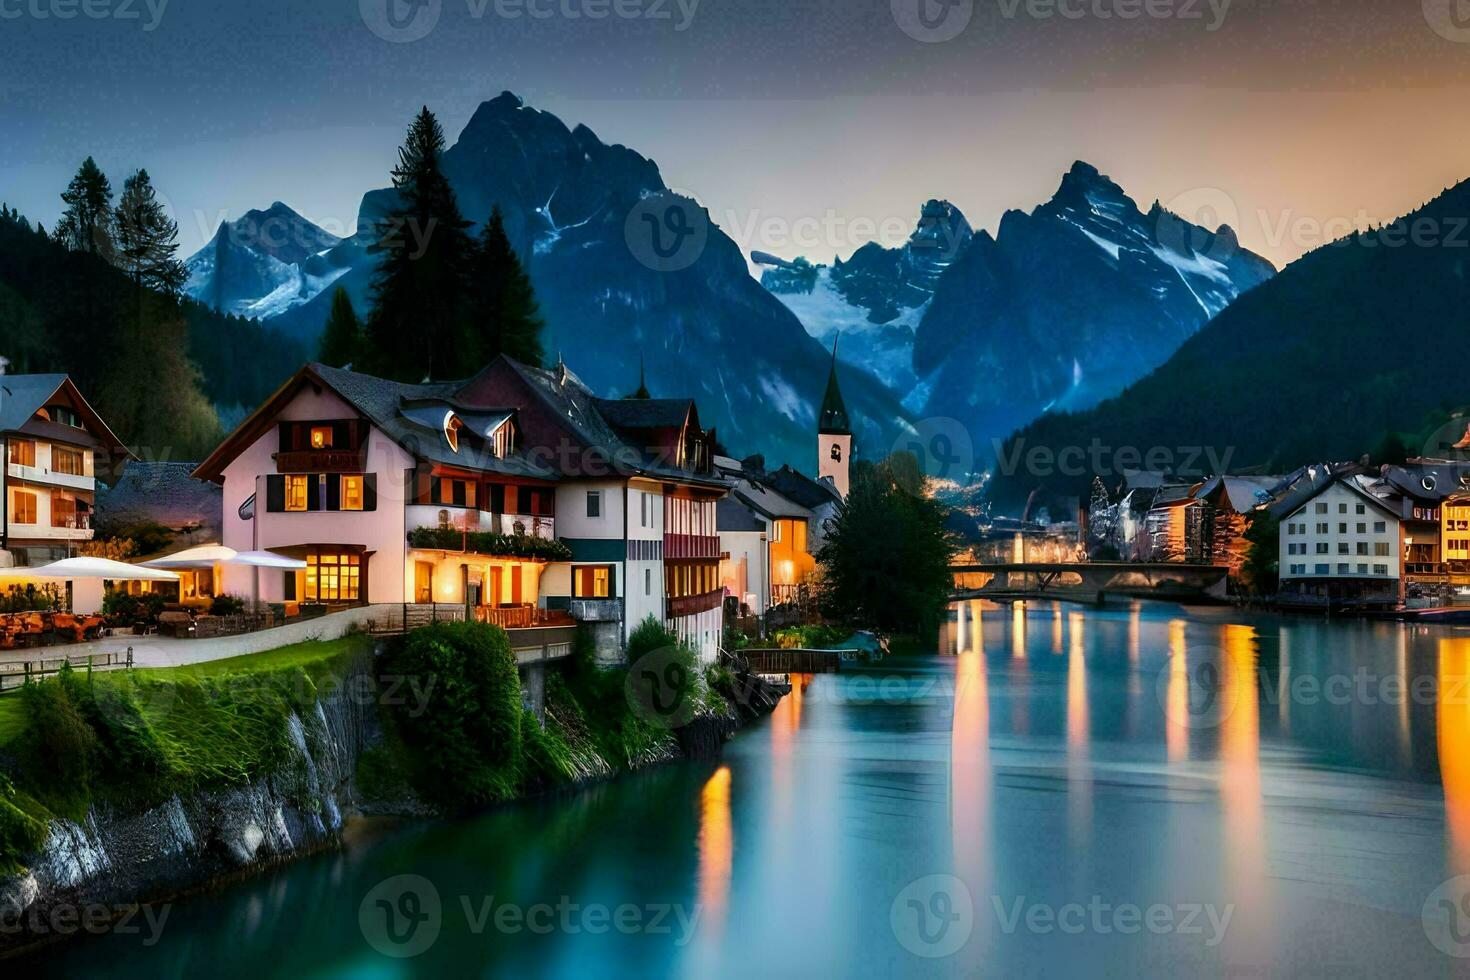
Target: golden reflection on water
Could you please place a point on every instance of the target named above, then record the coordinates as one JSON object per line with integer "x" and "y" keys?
{"x": 1240, "y": 793}
{"x": 1135, "y": 615}
{"x": 1018, "y": 631}
{"x": 716, "y": 849}
{"x": 1079, "y": 782}
{"x": 1056, "y": 628}
{"x": 1453, "y": 732}
{"x": 970, "y": 772}
{"x": 1176, "y": 710}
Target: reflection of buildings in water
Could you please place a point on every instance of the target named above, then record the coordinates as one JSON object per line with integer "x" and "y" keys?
{"x": 1079, "y": 780}
{"x": 1135, "y": 615}
{"x": 716, "y": 848}
{"x": 1240, "y": 794}
{"x": 1176, "y": 707}
{"x": 970, "y": 774}
{"x": 1056, "y": 628}
{"x": 1453, "y": 731}
{"x": 1018, "y": 631}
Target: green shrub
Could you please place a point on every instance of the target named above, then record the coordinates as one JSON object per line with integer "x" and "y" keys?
{"x": 226, "y": 605}
{"x": 20, "y": 833}
{"x": 56, "y": 751}
{"x": 487, "y": 543}
{"x": 468, "y": 740}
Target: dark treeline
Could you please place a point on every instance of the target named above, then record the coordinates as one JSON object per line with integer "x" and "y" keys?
{"x": 99, "y": 298}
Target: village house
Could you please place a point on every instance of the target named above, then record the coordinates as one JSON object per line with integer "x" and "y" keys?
{"x": 1342, "y": 546}
{"x": 517, "y": 494}
{"x": 52, "y": 441}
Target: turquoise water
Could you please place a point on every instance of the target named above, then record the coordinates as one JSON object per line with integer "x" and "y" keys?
{"x": 1131, "y": 791}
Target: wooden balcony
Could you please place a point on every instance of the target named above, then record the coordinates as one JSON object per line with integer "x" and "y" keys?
{"x": 323, "y": 461}
{"x": 523, "y": 617}
{"x": 693, "y": 605}
{"x": 678, "y": 546}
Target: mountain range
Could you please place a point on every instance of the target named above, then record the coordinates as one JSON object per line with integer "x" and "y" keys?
{"x": 1353, "y": 342}
{"x": 624, "y": 268}
{"x": 1060, "y": 309}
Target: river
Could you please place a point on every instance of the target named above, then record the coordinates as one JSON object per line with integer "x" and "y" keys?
{"x": 1058, "y": 791}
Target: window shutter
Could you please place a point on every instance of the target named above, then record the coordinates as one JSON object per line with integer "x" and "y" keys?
{"x": 275, "y": 494}
{"x": 313, "y": 493}
{"x": 334, "y": 491}
{"x": 342, "y": 435}
{"x": 370, "y": 492}
{"x": 290, "y": 587}
{"x": 285, "y": 431}
{"x": 497, "y": 498}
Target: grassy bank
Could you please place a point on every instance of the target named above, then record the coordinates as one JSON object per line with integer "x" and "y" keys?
{"x": 137, "y": 738}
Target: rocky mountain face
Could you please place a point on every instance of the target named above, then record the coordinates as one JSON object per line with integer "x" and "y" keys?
{"x": 877, "y": 298}
{"x": 265, "y": 264}
{"x": 625, "y": 268}
{"x": 1070, "y": 304}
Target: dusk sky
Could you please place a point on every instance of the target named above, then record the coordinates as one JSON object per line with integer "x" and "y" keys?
{"x": 806, "y": 126}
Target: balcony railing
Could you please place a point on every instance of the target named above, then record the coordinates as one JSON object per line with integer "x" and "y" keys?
{"x": 523, "y": 617}
{"x": 73, "y": 522}
{"x": 693, "y": 605}
{"x": 323, "y": 461}
{"x": 691, "y": 546}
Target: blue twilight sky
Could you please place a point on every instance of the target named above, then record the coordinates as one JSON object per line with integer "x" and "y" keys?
{"x": 806, "y": 126}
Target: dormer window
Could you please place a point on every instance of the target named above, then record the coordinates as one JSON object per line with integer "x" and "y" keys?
{"x": 504, "y": 442}
{"x": 452, "y": 425}
{"x": 321, "y": 437}
{"x": 62, "y": 415}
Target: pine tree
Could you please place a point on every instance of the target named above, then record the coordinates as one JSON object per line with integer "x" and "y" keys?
{"x": 87, "y": 225}
{"x": 503, "y": 308}
{"x": 342, "y": 341}
{"x": 418, "y": 327}
{"x": 147, "y": 238}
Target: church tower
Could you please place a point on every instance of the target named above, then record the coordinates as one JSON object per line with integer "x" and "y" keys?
{"x": 834, "y": 434}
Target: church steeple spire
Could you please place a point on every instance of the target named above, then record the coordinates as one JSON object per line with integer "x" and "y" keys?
{"x": 642, "y": 394}
{"x": 834, "y": 434}
{"x": 832, "y": 419}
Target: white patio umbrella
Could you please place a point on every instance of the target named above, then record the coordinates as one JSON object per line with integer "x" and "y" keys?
{"x": 94, "y": 568}
{"x": 209, "y": 555}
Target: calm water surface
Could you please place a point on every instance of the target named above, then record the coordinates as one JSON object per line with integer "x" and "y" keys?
{"x": 1059, "y": 791}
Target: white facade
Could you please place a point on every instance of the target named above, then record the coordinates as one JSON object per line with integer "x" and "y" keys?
{"x": 50, "y": 490}
{"x": 380, "y": 533}
{"x": 1340, "y": 534}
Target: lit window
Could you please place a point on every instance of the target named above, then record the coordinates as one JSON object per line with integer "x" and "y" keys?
{"x": 452, "y": 425}
{"x": 66, "y": 461}
{"x": 332, "y": 577}
{"x": 22, "y": 507}
{"x": 23, "y": 452}
{"x": 593, "y": 582}
{"x": 352, "y": 493}
{"x": 296, "y": 493}
{"x": 321, "y": 437}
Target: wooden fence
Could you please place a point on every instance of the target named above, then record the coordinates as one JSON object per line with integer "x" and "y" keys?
{"x": 14, "y": 676}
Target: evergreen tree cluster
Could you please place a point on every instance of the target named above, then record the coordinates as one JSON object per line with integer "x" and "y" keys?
{"x": 99, "y": 299}
{"x": 445, "y": 303}
{"x": 886, "y": 560}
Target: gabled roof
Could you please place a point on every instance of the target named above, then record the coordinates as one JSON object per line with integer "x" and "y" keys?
{"x": 733, "y": 514}
{"x": 1351, "y": 483}
{"x": 410, "y": 414}
{"x": 801, "y": 488}
{"x": 23, "y": 395}
{"x": 1244, "y": 493}
{"x": 646, "y": 413}
{"x": 832, "y": 419}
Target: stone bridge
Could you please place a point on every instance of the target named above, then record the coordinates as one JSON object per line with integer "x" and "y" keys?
{"x": 1090, "y": 581}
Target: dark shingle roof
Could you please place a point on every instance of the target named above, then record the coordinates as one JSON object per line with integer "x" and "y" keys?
{"x": 645, "y": 413}
{"x": 407, "y": 413}
{"x": 801, "y": 488}
{"x": 23, "y": 396}
{"x": 732, "y": 514}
